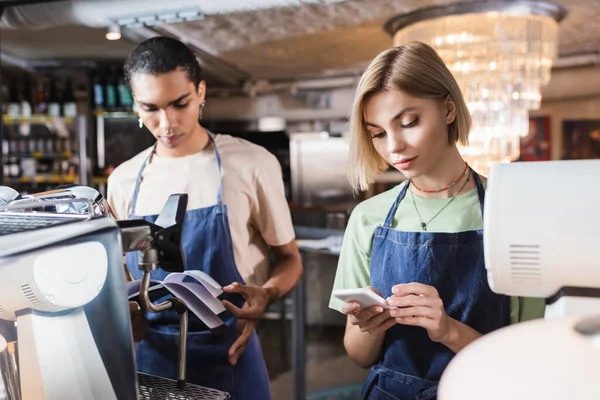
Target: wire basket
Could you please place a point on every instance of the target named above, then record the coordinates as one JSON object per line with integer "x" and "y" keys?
{"x": 155, "y": 388}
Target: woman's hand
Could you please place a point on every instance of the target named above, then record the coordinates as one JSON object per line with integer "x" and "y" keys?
{"x": 421, "y": 305}
{"x": 373, "y": 320}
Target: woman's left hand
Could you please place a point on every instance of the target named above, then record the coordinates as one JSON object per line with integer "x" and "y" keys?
{"x": 421, "y": 305}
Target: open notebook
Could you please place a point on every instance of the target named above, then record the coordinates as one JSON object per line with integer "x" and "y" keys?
{"x": 197, "y": 289}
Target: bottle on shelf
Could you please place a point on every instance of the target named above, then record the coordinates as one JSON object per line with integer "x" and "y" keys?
{"x": 27, "y": 100}
{"x": 41, "y": 98}
{"x": 36, "y": 154}
{"x": 69, "y": 105}
{"x": 14, "y": 101}
{"x": 98, "y": 98}
{"x": 54, "y": 103}
{"x": 26, "y": 106}
{"x": 125, "y": 97}
{"x": 111, "y": 91}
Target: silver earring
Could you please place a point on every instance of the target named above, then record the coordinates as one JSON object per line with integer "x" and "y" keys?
{"x": 141, "y": 123}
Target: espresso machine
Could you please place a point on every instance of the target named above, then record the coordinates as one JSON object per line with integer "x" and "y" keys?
{"x": 64, "y": 312}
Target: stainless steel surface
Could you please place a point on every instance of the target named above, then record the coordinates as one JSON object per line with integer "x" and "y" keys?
{"x": 49, "y": 205}
{"x": 183, "y": 330}
{"x": 73, "y": 199}
{"x": 7, "y": 194}
{"x": 148, "y": 260}
{"x": 30, "y": 240}
{"x": 101, "y": 206}
{"x": 319, "y": 165}
{"x": 146, "y": 304}
{"x": 10, "y": 371}
{"x": 299, "y": 340}
{"x": 135, "y": 238}
{"x": 100, "y": 142}
{"x": 155, "y": 388}
{"x": 300, "y": 307}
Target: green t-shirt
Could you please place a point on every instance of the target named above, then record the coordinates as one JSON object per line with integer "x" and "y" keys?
{"x": 463, "y": 214}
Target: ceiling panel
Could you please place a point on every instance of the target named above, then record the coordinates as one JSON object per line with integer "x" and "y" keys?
{"x": 287, "y": 43}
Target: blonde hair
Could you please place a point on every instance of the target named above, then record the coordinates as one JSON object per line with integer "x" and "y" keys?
{"x": 417, "y": 70}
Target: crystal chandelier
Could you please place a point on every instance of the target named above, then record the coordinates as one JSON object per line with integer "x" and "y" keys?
{"x": 500, "y": 53}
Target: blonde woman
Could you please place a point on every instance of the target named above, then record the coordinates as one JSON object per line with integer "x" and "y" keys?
{"x": 419, "y": 245}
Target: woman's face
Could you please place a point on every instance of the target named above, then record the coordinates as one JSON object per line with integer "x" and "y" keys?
{"x": 410, "y": 133}
{"x": 169, "y": 105}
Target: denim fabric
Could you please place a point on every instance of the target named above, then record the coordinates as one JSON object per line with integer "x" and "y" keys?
{"x": 411, "y": 364}
{"x": 207, "y": 246}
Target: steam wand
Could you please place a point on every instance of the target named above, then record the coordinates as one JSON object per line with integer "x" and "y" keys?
{"x": 159, "y": 246}
{"x": 178, "y": 306}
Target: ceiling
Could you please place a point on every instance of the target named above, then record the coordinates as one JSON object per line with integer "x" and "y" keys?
{"x": 284, "y": 43}
{"x": 64, "y": 42}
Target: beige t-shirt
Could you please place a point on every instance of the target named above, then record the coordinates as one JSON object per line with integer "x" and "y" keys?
{"x": 253, "y": 191}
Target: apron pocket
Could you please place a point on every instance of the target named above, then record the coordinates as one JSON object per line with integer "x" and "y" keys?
{"x": 208, "y": 362}
{"x": 403, "y": 386}
{"x": 429, "y": 394}
{"x": 379, "y": 394}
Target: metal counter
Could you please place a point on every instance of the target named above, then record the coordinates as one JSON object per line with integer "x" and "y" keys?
{"x": 299, "y": 309}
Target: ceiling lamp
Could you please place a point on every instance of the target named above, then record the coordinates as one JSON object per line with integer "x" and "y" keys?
{"x": 114, "y": 32}
{"x": 500, "y": 53}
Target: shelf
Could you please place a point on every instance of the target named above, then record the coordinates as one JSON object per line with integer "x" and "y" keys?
{"x": 43, "y": 179}
{"x": 116, "y": 114}
{"x": 34, "y": 119}
{"x": 38, "y": 155}
{"x": 55, "y": 179}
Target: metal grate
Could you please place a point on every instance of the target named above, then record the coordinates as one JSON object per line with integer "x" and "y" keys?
{"x": 20, "y": 222}
{"x": 155, "y": 388}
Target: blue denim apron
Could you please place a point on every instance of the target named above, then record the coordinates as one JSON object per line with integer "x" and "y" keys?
{"x": 206, "y": 241}
{"x": 411, "y": 365}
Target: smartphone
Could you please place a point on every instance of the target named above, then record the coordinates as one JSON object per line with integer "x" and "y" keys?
{"x": 363, "y": 296}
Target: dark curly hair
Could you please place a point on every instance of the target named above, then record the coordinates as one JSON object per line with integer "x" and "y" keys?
{"x": 160, "y": 55}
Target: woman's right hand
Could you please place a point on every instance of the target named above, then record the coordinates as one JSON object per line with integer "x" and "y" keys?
{"x": 373, "y": 320}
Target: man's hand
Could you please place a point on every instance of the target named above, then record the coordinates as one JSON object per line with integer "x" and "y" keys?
{"x": 257, "y": 300}
{"x": 245, "y": 327}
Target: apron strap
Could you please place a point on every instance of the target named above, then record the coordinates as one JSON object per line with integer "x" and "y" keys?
{"x": 480, "y": 194}
{"x": 480, "y": 189}
{"x": 138, "y": 181}
{"x": 218, "y": 157}
{"x": 390, "y": 217}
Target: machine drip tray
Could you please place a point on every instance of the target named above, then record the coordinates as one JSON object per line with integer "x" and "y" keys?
{"x": 155, "y": 388}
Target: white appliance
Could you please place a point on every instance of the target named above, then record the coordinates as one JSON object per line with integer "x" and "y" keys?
{"x": 62, "y": 282}
{"x": 541, "y": 239}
